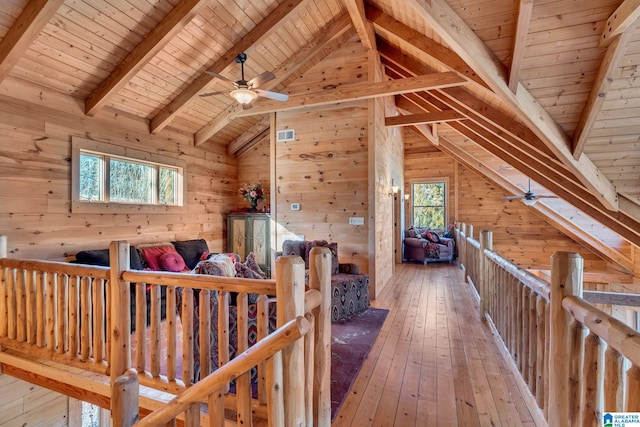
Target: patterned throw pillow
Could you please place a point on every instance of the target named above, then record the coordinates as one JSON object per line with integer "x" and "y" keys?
{"x": 432, "y": 236}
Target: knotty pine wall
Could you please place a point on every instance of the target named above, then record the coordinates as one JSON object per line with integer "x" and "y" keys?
{"x": 253, "y": 166}
{"x": 519, "y": 234}
{"x": 35, "y": 179}
{"x": 325, "y": 168}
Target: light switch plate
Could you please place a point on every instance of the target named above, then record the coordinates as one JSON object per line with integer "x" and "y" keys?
{"x": 356, "y": 220}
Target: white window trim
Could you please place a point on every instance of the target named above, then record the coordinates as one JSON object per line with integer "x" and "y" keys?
{"x": 85, "y": 206}
{"x": 446, "y": 196}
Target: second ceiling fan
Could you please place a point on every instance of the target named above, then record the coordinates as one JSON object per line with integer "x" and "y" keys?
{"x": 246, "y": 91}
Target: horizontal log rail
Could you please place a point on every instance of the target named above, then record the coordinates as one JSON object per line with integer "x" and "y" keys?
{"x": 80, "y": 316}
{"x": 571, "y": 355}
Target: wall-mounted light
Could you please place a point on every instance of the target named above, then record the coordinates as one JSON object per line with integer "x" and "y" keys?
{"x": 394, "y": 188}
{"x": 406, "y": 197}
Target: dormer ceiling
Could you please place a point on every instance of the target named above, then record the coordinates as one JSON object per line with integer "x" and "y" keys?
{"x": 546, "y": 86}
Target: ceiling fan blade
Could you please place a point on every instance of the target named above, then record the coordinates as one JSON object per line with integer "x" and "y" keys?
{"x": 220, "y": 76}
{"x": 546, "y": 197}
{"x": 272, "y": 95}
{"x": 220, "y": 92}
{"x": 258, "y": 81}
{"x": 512, "y": 197}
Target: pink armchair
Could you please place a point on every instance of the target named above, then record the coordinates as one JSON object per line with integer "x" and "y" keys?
{"x": 427, "y": 246}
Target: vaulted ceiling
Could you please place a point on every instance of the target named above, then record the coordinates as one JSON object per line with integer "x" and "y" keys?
{"x": 544, "y": 89}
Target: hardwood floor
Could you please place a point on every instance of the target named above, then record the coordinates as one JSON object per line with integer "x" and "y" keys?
{"x": 434, "y": 362}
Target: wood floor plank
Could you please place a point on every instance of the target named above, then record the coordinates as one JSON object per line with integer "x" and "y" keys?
{"x": 434, "y": 363}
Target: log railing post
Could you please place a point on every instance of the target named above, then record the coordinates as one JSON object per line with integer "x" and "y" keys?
{"x": 468, "y": 268}
{"x": 119, "y": 310}
{"x": 566, "y": 280}
{"x": 290, "y": 296}
{"x": 124, "y": 402}
{"x": 486, "y": 242}
{"x": 320, "y": 279}
{"x": 463, "y": 246}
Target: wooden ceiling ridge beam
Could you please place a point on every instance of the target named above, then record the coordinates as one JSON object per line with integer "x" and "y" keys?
{"x": 457, "y": 34}
{"x": 358, "y": 91}
{"x": 261, "y": 31}
{"x": 525, "y": 10}
{"x": 33, "y": 18}
{"x": 610, "y": 63}
{"x": 620, "y": 20}
{"x": 329, "y": 34}
{"x": 364, "y": 28}
{"x": 152, "y": 43}
{"x": 423, "y": 118}
{"x": 566, "y": 225}
{"x": 410, "y": 37}
{"x": 249, "y": 137}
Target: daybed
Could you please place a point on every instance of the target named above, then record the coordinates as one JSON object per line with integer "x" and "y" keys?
{"x": 426, "y": 245}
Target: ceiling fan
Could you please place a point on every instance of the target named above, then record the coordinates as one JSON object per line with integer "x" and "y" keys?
{"x": 529, "y": 198}
{"x": 246, "y": 91}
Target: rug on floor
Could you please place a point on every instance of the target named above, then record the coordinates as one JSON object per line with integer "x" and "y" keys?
{"x": 352, "y": 340}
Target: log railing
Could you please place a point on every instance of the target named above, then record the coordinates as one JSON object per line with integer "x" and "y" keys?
{"x": 80, "y": 315}
{"x": 577, "y": 361}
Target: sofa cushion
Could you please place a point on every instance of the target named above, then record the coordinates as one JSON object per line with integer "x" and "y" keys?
{"x": 151, "y": 254}
{"x": 294, "y": 247}
{"x": 250, "y": 268}
{"x": 191, "y": 250}
{"x": 171, "y": 261}
{"x": 333, "y": 247}
{"x": 101, "y": 257}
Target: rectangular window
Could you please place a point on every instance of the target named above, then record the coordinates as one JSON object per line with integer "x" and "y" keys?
{"x": 429, "y": 204}
{"x": 121, "y": 179}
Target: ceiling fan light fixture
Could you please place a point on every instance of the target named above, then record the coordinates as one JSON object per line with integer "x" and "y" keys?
{"x": 529, "y": 202}
{"x": 244, "y": 96}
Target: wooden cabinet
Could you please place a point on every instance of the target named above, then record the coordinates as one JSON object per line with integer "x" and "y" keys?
{"x": 251, "y": 232}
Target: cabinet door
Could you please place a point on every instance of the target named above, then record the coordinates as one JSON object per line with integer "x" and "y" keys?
{"x": 238, "y": 234}
{"x": 259, "y": 242}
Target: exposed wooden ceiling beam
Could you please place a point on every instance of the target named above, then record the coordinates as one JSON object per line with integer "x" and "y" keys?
{"x": 517, "y": 52}
{"x": 329, "y": 35}
{"x": 609, "y": 66}
{"x": 423, "y": 118}
{"x": 261, "y": 31}
{"x": 620, "y": 20}
{"x": 526, "y": 158}
{"x": 363, "y": 27}
{"x": 413, "y": 40}
{"x": 249, "y": 137}
{"x": 359, "y": 91}
{"x": 154, "y": 42}
{"x": 568, "y": 227}
{"x": 457, "y": 34}
{"x": 24, "y": 31}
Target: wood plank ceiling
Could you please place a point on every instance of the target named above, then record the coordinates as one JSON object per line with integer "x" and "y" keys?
{"x": 549, "y": 87}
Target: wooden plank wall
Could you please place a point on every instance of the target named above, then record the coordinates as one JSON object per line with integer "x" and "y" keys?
{"x": 518, "y": 233}
{"x": 386, "y": 167}
{"x": 325, "y": 168}
{"x": 253, "y": 166}
{"x": 25, "y": 404}
{"x": 35, "y": 189}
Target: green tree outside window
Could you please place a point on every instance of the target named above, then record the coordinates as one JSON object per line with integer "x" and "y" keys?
{"x": 429, "y": 204}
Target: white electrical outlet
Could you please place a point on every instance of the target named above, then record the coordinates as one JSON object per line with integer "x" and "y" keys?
{"x": 356, "y": 220}
{"x": 295, "y": 206}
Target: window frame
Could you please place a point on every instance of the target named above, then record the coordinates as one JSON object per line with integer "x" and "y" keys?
{"x": 80, "y": 145}
{"x": 443, "y": 180}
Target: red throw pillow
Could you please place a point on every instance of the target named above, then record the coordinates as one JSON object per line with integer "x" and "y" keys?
{"x": 172, "y": 261}
{"x": 152, "y": 255}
